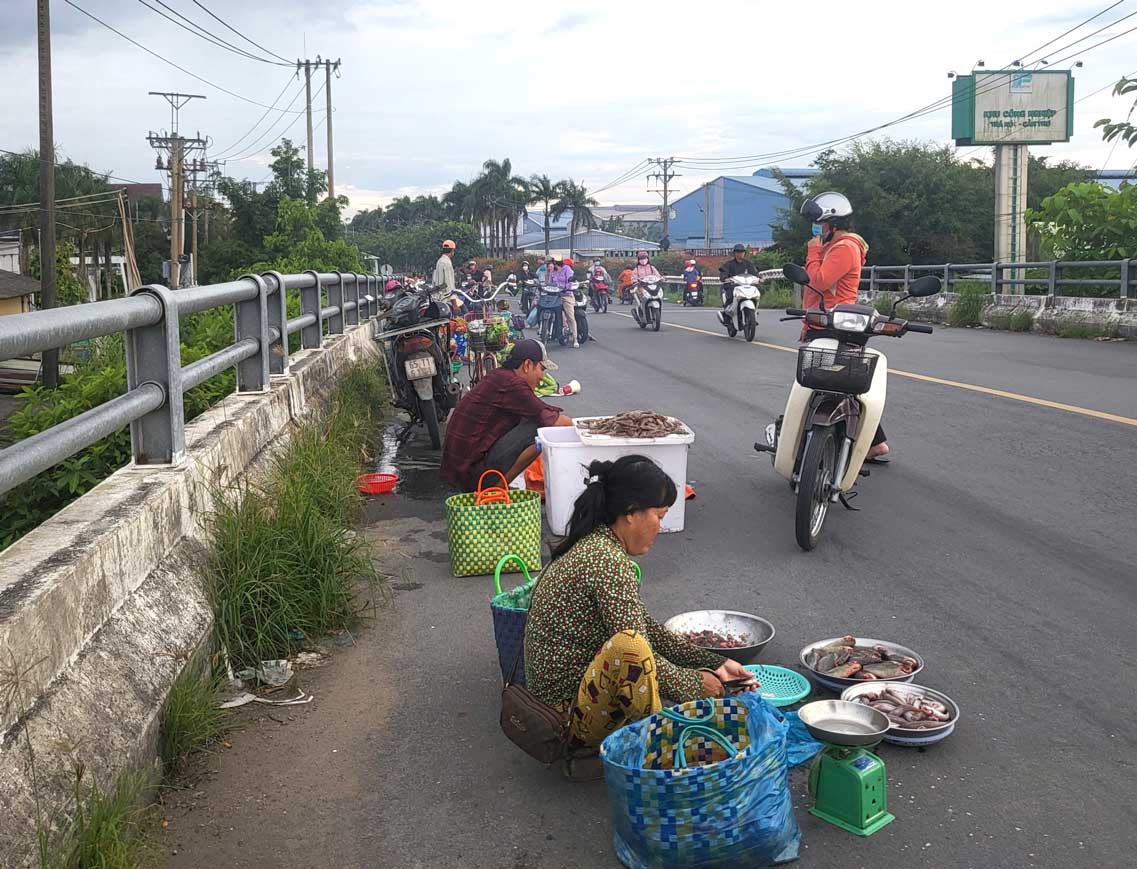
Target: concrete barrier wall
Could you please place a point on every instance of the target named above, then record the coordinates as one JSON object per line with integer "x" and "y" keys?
{"x": 1049, "y": 315}
{"x": 102, "y": 605}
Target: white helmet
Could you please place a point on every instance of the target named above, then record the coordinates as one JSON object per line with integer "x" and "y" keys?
{"x": 826, "y": 206}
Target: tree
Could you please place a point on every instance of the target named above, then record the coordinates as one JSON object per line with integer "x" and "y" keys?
{"x": 416, "y": 248}
{"x": 575, "y": 198}
{"x": 297, "y": 244}
{"x": 913, "y": 202}
{"x": 545, "y": 191}
{"x": 291, "y": 176}
{"x": 1126, "y": 130}
{"x": 1088, "y": 221}
{"x": 367, "y": 220}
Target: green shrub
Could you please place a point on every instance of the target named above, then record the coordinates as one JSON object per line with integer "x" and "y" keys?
{"x": 105, "y": 832}
{"x": 190, "y": 719}
{"x": 969, "y": 304}
{"x": 776, "y": 294}
{"x": 1022, "y": 320}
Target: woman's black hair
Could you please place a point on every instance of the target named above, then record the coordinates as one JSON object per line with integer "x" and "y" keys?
{"x": 615, "y": 489}
{"x": 845, "y": 224}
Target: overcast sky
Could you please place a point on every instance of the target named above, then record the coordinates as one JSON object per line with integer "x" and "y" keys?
{"x": 430, "y": 89}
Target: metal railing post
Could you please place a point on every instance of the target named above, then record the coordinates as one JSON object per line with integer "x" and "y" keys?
{"x": 872, "y": 278}
{"x": 311, "y": 337}
{"x": 369, "y": 294}
{"x": 1052, "y": 279}
{"x": 907, "y": 276}
{"x": 947, "y": 278}
{"x": 251, "y": 319}
{"x": 1126, "y": 278}
{"x": 996, "y": 274}
{"x": 352, "y": 318}
{"x": 335, "y": 300}
{"x": 154, "y": 355}
{"x": 278, "y": 319}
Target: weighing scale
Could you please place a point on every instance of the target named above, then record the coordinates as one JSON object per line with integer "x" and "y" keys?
{"x": 847, "y": 782}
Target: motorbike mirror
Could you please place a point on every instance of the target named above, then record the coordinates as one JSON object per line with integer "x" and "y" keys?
{"x": 928, "y": 285}
{"x": 795, "y": 273}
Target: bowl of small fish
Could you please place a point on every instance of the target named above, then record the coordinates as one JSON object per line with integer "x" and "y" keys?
{"x": 840, "y": 662}
{"x": 738, "y": 636}
{"x": 917, "y": 715}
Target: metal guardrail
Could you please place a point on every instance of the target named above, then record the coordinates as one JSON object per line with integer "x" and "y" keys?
{"x": 884, "y": 277}
{"x": 156, "y": 379}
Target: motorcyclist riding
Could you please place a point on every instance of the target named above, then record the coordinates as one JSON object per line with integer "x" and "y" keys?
{"x": 834, "y": 258}
{"x": 738, "y": 264}
{"x": 643, "y": 269}
{"x": 561, "y": 275}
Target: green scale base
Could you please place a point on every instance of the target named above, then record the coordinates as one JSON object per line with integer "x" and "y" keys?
{"x": 849, "y": 790}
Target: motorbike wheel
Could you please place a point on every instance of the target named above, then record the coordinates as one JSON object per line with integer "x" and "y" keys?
{"x": 430, "y": 417}
{"x": 749, "y": 324}
{"x": 815, "y": 486}
{"x": 641, "y": 320}
{"x": 604, "y": 304}
{"x": 656, "y": 317}
{"x": 730, "y": 330}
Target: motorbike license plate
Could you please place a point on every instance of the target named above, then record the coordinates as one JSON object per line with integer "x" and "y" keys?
{"x": 420, "y": 368}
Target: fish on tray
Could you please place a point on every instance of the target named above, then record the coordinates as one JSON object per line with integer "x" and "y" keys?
{"x": 844, "y": 659}
{"x": 909, "y": 711}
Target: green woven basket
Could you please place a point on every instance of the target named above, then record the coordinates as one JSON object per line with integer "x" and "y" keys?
{"x": 780, "y": 686}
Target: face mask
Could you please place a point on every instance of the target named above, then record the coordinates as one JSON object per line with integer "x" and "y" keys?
{"x": 817, "y": 230}
{"x": 643, "y": 262}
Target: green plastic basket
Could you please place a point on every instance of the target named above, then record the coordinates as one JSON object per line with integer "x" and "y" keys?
{"x": 780, "y": 686}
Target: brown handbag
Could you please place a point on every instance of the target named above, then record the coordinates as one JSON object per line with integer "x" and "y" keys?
{"x": 534, "y": 727}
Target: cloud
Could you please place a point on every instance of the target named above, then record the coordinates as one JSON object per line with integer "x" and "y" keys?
{"x": 568, "y": 22}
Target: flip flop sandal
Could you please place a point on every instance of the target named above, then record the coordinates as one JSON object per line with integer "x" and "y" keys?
{"x": 878, "y": 460}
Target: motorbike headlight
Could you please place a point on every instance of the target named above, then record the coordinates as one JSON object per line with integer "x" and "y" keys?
{"x": 847, "y": 321}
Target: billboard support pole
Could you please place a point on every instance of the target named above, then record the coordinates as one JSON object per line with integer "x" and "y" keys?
{"x": 1010, "y": 207}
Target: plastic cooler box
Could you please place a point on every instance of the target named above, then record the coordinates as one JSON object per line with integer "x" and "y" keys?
{"x": 566, "y": 452}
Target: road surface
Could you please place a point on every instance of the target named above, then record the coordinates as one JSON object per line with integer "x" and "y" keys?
{"x": 999, "y": 543}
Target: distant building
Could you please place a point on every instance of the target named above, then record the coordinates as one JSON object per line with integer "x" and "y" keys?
{"x": 733, "y": 209}
{"x": 10, "y": 250}
{"x": 1114, "y": 178}
{"x": 592, "y": 243}
{"x": 17, "y": 293}
{"x": 135, "y": 193}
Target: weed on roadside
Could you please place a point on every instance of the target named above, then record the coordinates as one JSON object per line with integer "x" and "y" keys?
{"x": 968, "y": 306}
{"x": 190, "y": 719}
{"x": 1022, "y": 320}
{"x": 776, "y": 295}
{"x": 106, "y": 831}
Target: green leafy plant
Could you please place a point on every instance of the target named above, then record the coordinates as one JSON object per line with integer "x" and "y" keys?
{"x": 105, "y": 833}
{"x": 1124, "y": 131}
{"x": 190, "y": 719}
{"x": 968, "y": 306}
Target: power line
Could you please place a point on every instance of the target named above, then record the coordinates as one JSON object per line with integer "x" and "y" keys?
{"x": 1072, "y": 29}
{"x": 239, "y": 33}
{"x": 233, "y": 146}
{"x": 154, "y": 54}
{"x": 89, "y": 169}
{"x": 254, "y": 151}
{"x": 200, "y": 32}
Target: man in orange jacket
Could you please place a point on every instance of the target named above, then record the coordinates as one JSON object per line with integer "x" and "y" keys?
{"x": 834, "y": 258}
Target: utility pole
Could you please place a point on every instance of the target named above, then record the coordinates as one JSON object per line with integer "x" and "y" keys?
{"x": 707, "y": 217}
{"x": 329, "y": 66}
{"x": 49, "y": 358}
{"x": 177, "y": 147}
{"x": 664, "y": 176}
{"x": 308, "y": 104}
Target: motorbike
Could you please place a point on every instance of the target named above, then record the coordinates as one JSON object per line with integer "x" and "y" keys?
{"x": 580, "y": 310}
{"x": 693, "y": 294}
{"x": 478, "y": 302}
{"x": 416, "y": 353}
{"x": 647, "y": 308}
{"x": 820, "y": 442}
{"x": 550, "y": 315}
{"x": 742, "y": 315}
{"x": 598, "y": 291}
{"x": 529, "y": 290}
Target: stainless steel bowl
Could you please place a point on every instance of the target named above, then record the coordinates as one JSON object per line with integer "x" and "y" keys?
{"x": 840, "y": 722}
{"x": 838, "y": 684}
{"x": 754, "y": 629}
{"x": 909, "y": 735}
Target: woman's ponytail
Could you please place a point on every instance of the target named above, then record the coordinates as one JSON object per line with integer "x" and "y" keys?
{"x": 615, "y": 489}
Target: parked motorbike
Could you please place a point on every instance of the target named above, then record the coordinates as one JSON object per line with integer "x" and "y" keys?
{"x": 821, "y": 440}
{"x": 580, "y": 310}
{"x": 477, "y": 302}
{"x": 693, "y": 294}
{"x": 742, "y": 315}
{"x": 647, "y": 307}
{"x": 550, "y": 314}
{"x": 598, "y": 292}
{"x": 416, "y": 343}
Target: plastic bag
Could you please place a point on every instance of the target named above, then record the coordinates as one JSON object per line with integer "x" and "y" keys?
{"x": 531, "y": 320}
{"x": 678, "y": 798}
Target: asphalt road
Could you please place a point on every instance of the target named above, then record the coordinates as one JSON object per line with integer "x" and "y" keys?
{"x": 998, "y": 543}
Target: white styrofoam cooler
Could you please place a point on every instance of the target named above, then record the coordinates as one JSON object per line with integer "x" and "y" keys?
{"x": 566, "y": 452}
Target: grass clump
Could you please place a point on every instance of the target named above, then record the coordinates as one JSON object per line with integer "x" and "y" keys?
{"x": 190, "y": 719}
{"x": 285, "y": 564}
{"x": 969, "y": 305}
{"x": 1022, "y": 320}
{"x": 776, "y": 295}
{"x": 106, "y": 831}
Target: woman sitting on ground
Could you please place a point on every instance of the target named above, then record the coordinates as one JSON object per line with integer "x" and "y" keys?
{"x": 592, "y": 650}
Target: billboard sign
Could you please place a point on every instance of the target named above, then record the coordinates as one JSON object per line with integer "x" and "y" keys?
{"x": 1013, "y": 107}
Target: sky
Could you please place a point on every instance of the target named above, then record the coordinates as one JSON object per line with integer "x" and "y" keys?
{"x": 429, "y": 90}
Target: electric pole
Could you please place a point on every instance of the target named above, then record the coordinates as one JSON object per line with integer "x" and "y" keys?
{"x": 329, "y": 66}
{"x": 49, "y": 358}
{"x": 664, "y": 176}
{"x": 308, "y": 105}
{"x": 177, "y": 147}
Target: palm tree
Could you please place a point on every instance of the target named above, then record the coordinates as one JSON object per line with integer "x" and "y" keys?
{"x": 545, "y": 191}
{"x": 576, "y": 198}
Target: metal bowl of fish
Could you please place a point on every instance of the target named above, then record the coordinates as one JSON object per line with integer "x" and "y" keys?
{"x": 738, "y": 636}
{"x": 840, "y": 662}
{"x": 918, "y": 715}
{"x": 841, "y": 723}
